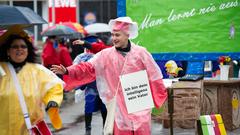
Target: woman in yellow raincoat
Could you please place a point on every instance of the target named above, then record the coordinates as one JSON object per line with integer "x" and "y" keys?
{"x": 39, "y": 86}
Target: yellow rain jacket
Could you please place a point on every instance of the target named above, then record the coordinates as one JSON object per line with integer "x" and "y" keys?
{"x": 39, "y": 86}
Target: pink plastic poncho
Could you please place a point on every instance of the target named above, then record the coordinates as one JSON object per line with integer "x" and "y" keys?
{"x": 106, "y": 67}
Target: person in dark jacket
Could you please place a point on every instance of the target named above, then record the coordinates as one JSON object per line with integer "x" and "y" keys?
{"x": 93, "y": 102}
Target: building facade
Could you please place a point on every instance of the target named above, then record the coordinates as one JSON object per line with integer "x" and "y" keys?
{"x": 57, "y": 11}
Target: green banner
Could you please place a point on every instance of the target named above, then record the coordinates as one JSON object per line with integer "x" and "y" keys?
{"x": 187, "y": 25}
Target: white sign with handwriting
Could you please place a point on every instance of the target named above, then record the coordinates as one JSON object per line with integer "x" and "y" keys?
{"x": 136, "y": 91}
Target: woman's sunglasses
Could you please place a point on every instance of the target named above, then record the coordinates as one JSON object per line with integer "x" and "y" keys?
{"x": 19, "y": 46}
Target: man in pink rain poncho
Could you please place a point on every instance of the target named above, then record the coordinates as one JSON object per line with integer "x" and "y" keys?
{"x": 106, "y": 66}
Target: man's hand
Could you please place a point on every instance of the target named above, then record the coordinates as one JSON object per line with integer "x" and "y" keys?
{"x": 78, "y": 42}
{"x": 58, "y": 69}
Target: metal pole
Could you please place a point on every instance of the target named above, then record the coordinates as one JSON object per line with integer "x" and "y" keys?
{"x": 10, "y": 3}
{"x": 170, "y": 108}
{"x": 35, "y": 27}
{"x": 53, "y": 12}
{"x": 78, "y": 11}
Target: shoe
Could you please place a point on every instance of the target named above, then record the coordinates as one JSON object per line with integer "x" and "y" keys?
{"x": 88, "y": 132}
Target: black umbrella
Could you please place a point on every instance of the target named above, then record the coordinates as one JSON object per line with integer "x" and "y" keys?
{"x": 59, "y": 30}
{"x": 12, "y": 15}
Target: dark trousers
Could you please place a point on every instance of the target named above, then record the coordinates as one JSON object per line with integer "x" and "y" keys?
{"x": 88, "y": 119}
